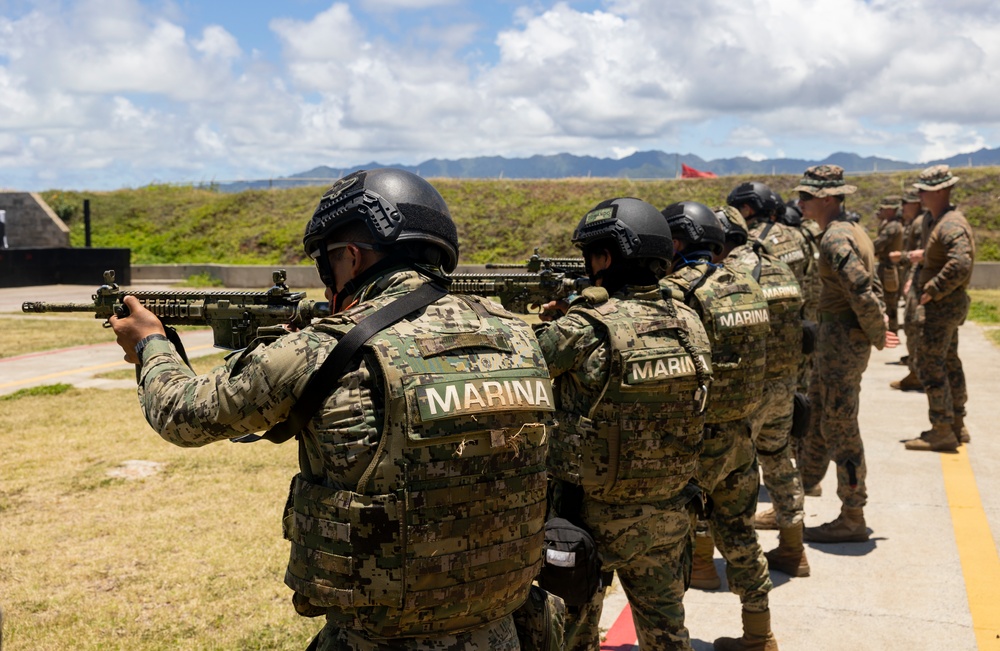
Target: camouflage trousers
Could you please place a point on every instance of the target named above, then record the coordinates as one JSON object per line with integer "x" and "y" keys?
{"x": 728, "y": 472}
{"x": 500, "y": 634}
{"x": 541, "y": 622}
{"x": 771, "y": 427}
{"x": 913, "y": 323}
{"x": 842, "y": 357}
{"x": 892, "y": 309}
{"x": 938, "y": 366}
{"x": 649, "y": 547}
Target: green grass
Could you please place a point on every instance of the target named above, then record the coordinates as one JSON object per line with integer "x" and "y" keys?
{"x": 985, "y": 307}
{"x": 31, "y": 334}
{"x": 498, "y": 220}
{"x": 46, "y": 390}
{"x": 190, "y": 558}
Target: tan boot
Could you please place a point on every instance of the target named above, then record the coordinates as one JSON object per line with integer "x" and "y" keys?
{"x": 757, "y": 635}
{"x": 908, "y": 383}
{"x": 790, "y": 555}
{"x": 939, "y": 439}
{"x": 961, "y": 433}
{"x": 765, "y": 520}
{"x": 849, "y": 526}
{"x": 704, "y": 576}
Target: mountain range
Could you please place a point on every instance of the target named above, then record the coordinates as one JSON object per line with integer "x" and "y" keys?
{"x": 640, "y": 165}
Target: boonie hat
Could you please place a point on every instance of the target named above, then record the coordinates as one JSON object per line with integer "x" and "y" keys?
{"x": 936, "y": 177}
{"x": 824, "y": 181}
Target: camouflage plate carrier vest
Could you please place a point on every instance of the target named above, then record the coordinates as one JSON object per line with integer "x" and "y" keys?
{"x": 784, "y": 307}
{"x": 784, "y": 243}
{"x": 810, "y": 285}
{"x": 735, "y": 314}
{"x": 445, "y": 531}
{"x": 641, "y": 439}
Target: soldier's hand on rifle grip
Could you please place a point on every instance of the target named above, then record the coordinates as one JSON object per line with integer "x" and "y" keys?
{"x": 553, "y": 310}
{"x": 131, "y": 329}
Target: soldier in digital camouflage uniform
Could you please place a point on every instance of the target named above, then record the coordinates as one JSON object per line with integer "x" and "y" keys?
{"x": 760, "y": 206}
{"x": 852, "y": 320}
{"x": 416, "y": 519}
{"x": 913, "y": 313}
{"x": 797, "y": 246}
{"x": 811, "y": 232}
{"x": 732, "y": 306}
{"x": 771, "y": 422}
{"x": 631, "y": 372}
{"x": 942, "y": 277}
{"x": 888, "y": 240}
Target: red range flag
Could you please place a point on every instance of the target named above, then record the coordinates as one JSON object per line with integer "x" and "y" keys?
{"x": 692, "y": 173}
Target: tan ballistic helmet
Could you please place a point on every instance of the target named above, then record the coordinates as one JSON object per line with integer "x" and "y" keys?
{"x": 824, "y": 181}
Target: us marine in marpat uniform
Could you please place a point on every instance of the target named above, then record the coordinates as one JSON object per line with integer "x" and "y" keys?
{"x": 942, "y": 278}
{"x": 913, "y": 313}
{"x": 852, "y": 320}
{"x": 889, "y": 239}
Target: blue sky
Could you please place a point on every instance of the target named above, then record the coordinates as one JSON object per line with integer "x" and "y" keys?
{"x": 102, "y": 94}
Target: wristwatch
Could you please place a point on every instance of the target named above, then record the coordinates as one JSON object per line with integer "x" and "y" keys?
{"x": 139, "y": 347}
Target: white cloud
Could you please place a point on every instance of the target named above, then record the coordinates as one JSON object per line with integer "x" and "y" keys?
{"x": 117, "y": 84}
{"x": 946, "y": 140}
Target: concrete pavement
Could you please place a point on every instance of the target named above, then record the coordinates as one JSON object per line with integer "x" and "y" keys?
{"x": 929, "y": 578}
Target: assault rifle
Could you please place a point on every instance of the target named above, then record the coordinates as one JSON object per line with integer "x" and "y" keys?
{"x": 236, "y": 317}
{"x": 539, "y": 281}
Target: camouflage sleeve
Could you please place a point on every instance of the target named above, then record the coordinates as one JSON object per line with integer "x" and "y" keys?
{"x": 863, "y": 288}
{"x": 881, "y": 241}
{"x": 956, "y": 270}
{"x": 251, "y": 393}
{"x": 568, "y": 342}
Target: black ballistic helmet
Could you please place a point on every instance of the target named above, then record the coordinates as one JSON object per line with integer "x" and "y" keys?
{"x": 792, "y": 215}
{"x": 634, "y": 226}
{"x": 397, "y": 207}
{"x": 695, "y": 223}
{"x": 733, "y": 224}
{"x": 757, "y": 195}
{"x": 779, "y": 204}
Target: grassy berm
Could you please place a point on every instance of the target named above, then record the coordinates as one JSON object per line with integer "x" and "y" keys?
{"x": 498, "y": 220}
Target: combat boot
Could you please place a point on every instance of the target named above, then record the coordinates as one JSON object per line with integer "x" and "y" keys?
{"x": 958, "y": 427}
{"x": 765, "y": 520}
{"x": 757, "y": 635}
{"x": 790, "y": 555}
{"x": 704, "y": 576}
{"x": 849, "y": 526}
{"x": 908, "y": 383}
{"x": 939, "y": 439}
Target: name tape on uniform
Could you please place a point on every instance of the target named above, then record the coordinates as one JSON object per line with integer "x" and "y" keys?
{"x": 653, "y": 370}
{"x": 465, "y": 398}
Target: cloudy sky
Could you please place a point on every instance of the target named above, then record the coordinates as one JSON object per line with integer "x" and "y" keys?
{"x": 103, "y": 94}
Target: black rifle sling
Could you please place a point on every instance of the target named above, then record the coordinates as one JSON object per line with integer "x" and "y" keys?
{"x": 758, "y": 243}
{"x": 319, "y": 386}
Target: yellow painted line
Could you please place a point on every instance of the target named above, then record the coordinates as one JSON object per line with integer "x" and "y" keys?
{"x": 86, "y": 369}
{"x": 976, "y": 548}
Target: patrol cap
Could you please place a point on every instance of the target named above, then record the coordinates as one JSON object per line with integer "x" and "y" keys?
{"x": 824, "y": 181}
{"x": 936, "y": 177}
